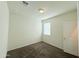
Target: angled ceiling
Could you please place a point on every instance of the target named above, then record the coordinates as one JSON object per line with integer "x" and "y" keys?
{"x": 52, "y": 8}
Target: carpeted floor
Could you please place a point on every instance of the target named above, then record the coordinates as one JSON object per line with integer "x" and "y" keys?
{"x": 39, "y": 50}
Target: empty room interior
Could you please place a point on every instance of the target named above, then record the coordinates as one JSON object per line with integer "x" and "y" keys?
{"x": 39, "y": 29}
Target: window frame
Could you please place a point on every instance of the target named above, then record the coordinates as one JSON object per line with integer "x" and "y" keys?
{"x": 43, "y": 28}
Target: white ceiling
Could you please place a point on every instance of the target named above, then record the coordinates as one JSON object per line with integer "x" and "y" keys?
{"x": 52, "y": 8}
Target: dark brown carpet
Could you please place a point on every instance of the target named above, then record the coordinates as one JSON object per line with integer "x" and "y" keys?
{"x": 39, "y": 50}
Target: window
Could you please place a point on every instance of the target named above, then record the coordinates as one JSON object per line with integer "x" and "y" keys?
{"x": 46, "y": 28}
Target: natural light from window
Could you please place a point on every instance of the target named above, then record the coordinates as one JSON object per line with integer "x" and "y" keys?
{"x": 47, "y": 28}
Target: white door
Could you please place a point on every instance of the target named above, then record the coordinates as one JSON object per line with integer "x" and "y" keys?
{"x": 4, "y": 25}
{"x": 68, "y": 41}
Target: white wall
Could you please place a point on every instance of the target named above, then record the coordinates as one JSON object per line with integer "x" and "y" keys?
{"x": 4, "y": 22}
{"x": 78, "y": 25}
{"x": 56, "y": 38}
{"x": 23, "y": 30}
